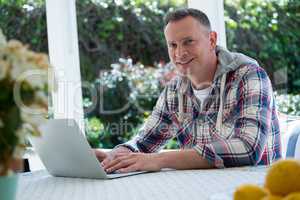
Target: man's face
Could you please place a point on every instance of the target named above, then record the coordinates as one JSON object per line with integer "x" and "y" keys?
{"x": 190, "y": 47}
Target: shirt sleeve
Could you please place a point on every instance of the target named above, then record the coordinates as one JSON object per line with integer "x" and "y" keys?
{"x": 252, "y": 124}
{"x": 156, "y": 131}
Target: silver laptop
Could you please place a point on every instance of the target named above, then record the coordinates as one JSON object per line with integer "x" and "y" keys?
{"x": 65, "y": 152}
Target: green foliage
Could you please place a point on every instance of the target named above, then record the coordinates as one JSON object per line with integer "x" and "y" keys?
{"x": 8, "y": 138}
{"x": 288, "y": 104}
{"x": 268, "y": 31}
{"x": 95, "y": 130}
{"x": 100, "y": 137}
{"x": 16, "y": 21}
{"x": 108, "y": 31}
{"x": 126, "y": 96}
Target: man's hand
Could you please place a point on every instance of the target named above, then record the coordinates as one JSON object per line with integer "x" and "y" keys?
{"x": 129, "y": 162}
{"x": 123, "y": 160}
{"x": 106, "y": 157}
{"x": 101, "y": 155}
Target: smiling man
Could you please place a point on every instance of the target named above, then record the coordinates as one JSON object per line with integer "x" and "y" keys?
{"x": 220, "y": 107}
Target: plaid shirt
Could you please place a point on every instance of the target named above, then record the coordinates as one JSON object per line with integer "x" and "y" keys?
{"x": 250, "y": 129}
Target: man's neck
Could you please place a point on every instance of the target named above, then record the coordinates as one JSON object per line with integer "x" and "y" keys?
{"x": 201, "y": 86}
{"x": 205, "y": 78}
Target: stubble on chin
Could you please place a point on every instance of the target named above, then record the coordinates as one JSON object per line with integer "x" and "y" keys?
{"x": 180, "y": 71}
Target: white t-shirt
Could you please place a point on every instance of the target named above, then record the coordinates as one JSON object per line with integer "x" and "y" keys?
{"x": 202, "y": 94}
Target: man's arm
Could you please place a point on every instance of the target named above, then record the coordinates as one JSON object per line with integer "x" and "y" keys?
{"x": 182, "y": 159}
{"x": 177, "y": 159}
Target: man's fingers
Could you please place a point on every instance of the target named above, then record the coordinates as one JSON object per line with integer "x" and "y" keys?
{"x": 113, "y": 162}
{"x": 112, "y": 155}
{"x": 118, "y": 164}
{"x": 110, "y": 158}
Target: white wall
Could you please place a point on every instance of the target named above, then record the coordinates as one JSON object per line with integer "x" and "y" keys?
{"x": 64, "y": 57}
{"x": 214, "y": 9}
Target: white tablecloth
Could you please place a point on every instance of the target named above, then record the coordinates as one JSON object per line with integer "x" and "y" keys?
{"x": 213, "y": 184}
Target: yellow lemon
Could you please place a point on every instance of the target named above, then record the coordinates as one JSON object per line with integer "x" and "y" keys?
{"x": 283, "y": 177}
{"x": 272, "y": 197}
{"x": 293, "y": 196}
{"x": 249, "y": 192}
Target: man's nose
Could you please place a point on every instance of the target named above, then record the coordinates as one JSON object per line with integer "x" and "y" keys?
{"x": 180, "y": 52}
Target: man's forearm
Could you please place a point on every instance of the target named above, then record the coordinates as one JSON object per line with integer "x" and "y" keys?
{"x": 182, "y": 159}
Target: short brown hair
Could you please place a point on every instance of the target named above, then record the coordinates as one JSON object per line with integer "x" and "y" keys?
{"x": 181, "y": 13}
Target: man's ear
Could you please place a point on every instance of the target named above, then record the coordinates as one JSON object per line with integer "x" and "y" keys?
{"x": 213, "y": 39}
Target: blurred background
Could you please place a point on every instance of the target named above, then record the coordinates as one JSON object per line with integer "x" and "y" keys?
{"x": 124, "y": 61}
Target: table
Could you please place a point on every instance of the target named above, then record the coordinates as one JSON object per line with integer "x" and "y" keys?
{"x": 210, "y": 184}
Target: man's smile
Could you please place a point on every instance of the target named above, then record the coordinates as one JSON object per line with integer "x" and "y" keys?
{"x": 185, "y": 63}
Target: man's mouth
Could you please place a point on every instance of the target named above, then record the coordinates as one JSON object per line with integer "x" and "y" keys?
{"x": 185, "y": 63}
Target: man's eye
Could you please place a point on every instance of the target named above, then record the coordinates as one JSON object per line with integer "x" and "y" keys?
{"x": 188, "y": 41}
{"x": 172, "y": 45}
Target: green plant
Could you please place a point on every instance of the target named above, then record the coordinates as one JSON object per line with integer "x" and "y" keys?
{"x": 268, "y": 31}
{"x": 94, "y": 130}
{"x": 23, "y": 100}
{"x": 108, "y": 31}
{"x": 288, "y": 104}
{"x": 126, "y": 94}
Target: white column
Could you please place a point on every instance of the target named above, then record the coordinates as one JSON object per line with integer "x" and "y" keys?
{"x": 64, "y": 57}
{"x": 214, "y": 9}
